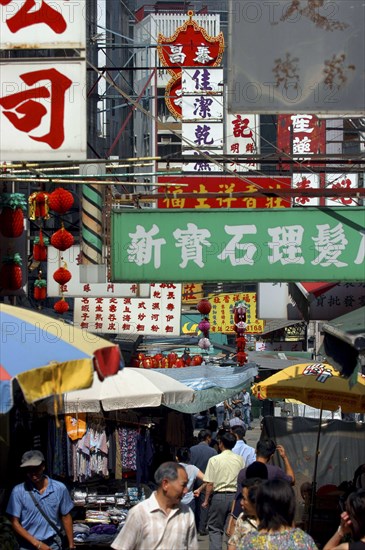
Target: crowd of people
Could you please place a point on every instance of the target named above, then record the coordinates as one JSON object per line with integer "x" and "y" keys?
{"x": 220, "y": 487}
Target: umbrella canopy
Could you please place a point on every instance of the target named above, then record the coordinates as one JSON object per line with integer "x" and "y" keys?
{"x": 316, "y": 384}
{"x": 129, "y": 389}
{"x": 48, "y": 356}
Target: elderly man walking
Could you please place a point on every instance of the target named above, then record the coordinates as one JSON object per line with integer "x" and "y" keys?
{"x": 221, "y": 478}
{"x": 161, "y": 522}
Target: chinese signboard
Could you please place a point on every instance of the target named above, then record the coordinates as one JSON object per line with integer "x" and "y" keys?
{"x": 192, "y": 293}
{"x": 301, "y": 135}
{"x": 242, "y": 138}
{"x": 42, "y": 110}
{"x": 332, "y": 181}
{"x": 313, "y": 244}
{"x": 302, "y": 56}
{"x": 221, "y": 316}
{"x": 189, "y": 46}
{"x": 159, "y": 314}
{"x": 218, "y": 185}
{"x": 72, "y": 258}
{"x": 46, "y": 24}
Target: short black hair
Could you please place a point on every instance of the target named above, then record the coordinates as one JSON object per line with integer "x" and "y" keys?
{"x": 265, "y": 448}
{"x": 252, "y": 485}
{"x": 228, "y": 440}
{"x": 275, "y": 505}
{"x": 239, "y": 431}
{"x": 355, "y": 506}
{"x": 237, "y": 412}
{"x": 204, "y": 434}
{"x": 183, "y": 454}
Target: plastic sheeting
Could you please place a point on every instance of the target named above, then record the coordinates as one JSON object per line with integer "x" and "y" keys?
{"x": 341, "y": 447}
{"x": 211, "y": 384}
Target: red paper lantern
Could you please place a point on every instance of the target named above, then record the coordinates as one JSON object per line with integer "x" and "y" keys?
{"x": 11, "y": 277}
{"x": 12, "y": 222}
{"x": 60, "y": 200}
{"x": 179, "y": 364}
{"x": 40, "y": 292}
{"x": 197, "y": 360}
{"x": 204, "y": 306}
{"x": 172, "y": 358}
{"x": 164, "y": 363}
{"x": 62, "y": 239}
{"x": 204, "y": 326}
{"x": 40, "y": 248}
{"x": 241, "y": 358}
{"x": 61, "y": 306}
{"x": 62, "y": 276}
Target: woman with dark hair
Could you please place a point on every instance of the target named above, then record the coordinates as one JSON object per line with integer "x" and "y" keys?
{"x": 183, "y": 457}
{"x": 247, "y": 521}
{"x": 275, "y": 509}
{"x": 352, "y": 523}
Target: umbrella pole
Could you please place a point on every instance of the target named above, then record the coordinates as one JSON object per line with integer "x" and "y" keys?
{"x": 314, "y": 482}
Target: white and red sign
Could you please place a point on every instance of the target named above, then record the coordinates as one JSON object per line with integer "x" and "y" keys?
{"x": 157, "y": 315}
{"x": 42, "y": 110}
{"x": 42, "y": 24}
{"x": 242, "y": 138}
{"x": 302, "y": 135}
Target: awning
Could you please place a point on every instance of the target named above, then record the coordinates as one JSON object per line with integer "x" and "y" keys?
{"x": 344, "y": 342}
{"x": 272, "y": 325}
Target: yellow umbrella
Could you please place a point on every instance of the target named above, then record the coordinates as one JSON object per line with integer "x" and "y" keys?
{"x": 316, "y": 384}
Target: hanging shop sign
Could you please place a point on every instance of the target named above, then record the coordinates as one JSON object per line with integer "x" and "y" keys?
{"x": 26, "y": 24}
{"x": 242, "y": 138}
{"x": 218, "y": 185}
{"x": 222, "y": 314}
{"x": 192, "y": 293}
{"x": 301, "y": 134}
{"x": 189, "y": 46}
{"x": 296, "y": 56}
{"x": 313, "y": 244}
{"x": 157, "y": 315}
{"x": 42, "y": 110}
{"x": 74, "y": 288}
{"x": 331, "y": 181}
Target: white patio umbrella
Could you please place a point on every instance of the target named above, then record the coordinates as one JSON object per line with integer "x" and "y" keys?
{"x": 130, "y": 388}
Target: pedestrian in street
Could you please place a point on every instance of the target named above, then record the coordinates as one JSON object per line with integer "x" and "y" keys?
{"x": 275, "y": 509}
{"x": 237, "y": 420}
{"x": 161, "y": 522}
{"x": 247, "y": 520}
{"x": 352, "y": 524}
{"x": 220, "y": 412}
{"x": 265, "y": 450}
{"x": 241, "y": 448}
{"x": 221, "y": 478}
{"x": 245, "y": 399}
{"x": 183, "y": 458}
{"x": 40, "y": 507}
{"x": 199, "y": 456}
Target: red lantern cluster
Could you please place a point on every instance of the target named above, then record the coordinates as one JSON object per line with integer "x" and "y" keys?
{"x": 204, "y": 307}
{"x": 240, "y": 325}
{"x": 170, "y": 361}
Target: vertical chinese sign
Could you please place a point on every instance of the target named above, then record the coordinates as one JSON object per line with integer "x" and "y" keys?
{"x": 303, "y": 135}
{"x": 42, "y": 103}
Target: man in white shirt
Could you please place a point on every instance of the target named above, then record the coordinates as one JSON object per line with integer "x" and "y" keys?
{"x": 241, "y": 448}
{"x": 161, "y": 522}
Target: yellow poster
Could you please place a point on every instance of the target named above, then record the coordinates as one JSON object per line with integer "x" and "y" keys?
{"x": 192, "y": 293}
{"x": 221, "y": 316}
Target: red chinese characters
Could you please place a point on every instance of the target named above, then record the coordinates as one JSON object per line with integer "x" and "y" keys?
{"x": 25, "y": 111}
{"x": 33, "y": 13}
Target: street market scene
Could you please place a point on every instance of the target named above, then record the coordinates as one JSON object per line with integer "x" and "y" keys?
{"x": 182, "y": 274}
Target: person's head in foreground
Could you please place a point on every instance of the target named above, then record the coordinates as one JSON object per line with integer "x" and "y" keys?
{"x": 275, "y": 505}
{"x": 172, "y": 480}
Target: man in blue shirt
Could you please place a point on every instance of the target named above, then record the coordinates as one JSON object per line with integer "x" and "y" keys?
{"x": 32, "y": 528}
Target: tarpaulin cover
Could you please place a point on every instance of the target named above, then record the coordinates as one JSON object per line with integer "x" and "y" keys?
{"x": 341, "y": 447}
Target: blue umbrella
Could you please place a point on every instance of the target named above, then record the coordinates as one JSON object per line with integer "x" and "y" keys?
{"x": 48, "y": 356}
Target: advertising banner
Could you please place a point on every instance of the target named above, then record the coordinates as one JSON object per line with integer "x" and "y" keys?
{"x": 218, "y": 185}
{"x": 43, "y": 110}
{"x": 27, "y": 24}
{"x": 312, "y": 244}
{"x": 221, "y": 316}
{"x": 157, "y": 315}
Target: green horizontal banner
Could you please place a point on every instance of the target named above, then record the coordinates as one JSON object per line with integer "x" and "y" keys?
{"x": 296, "y": 244}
